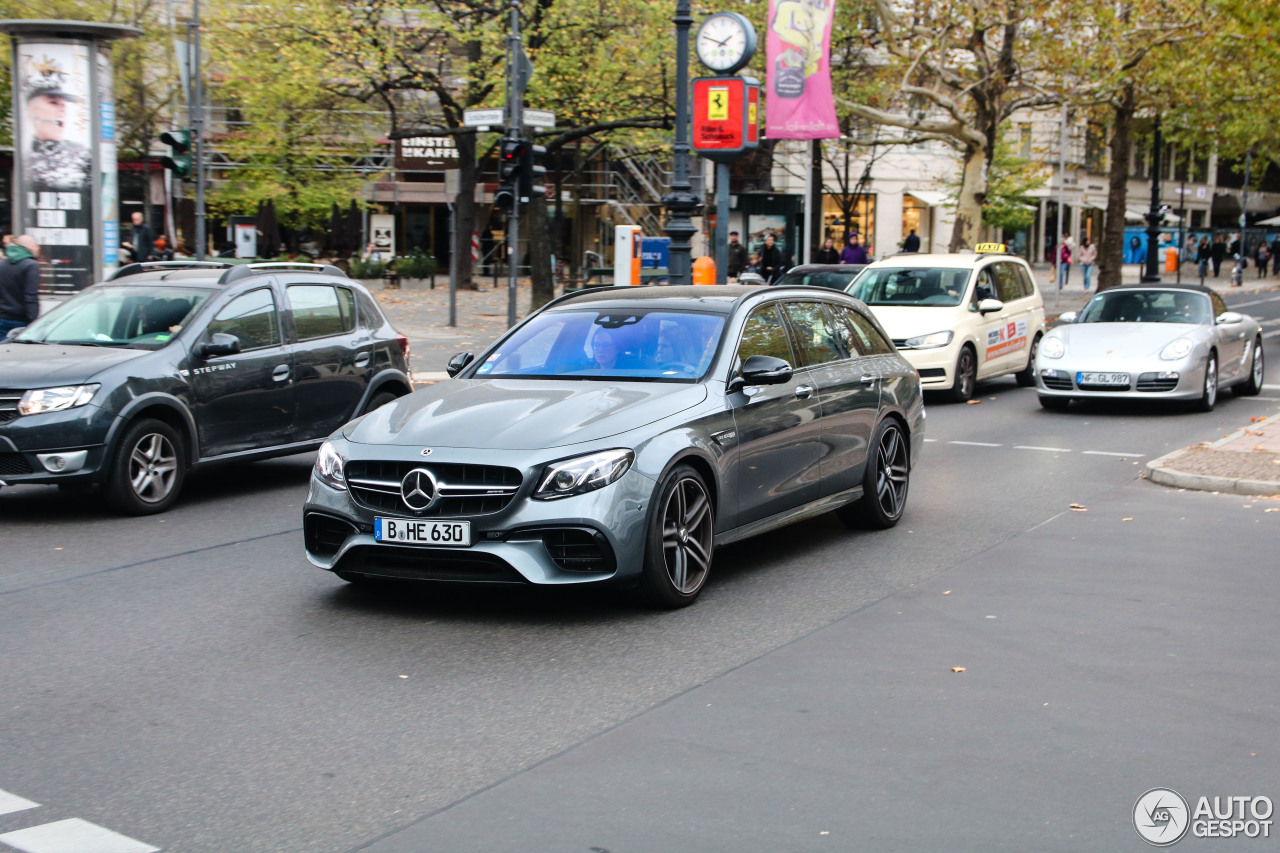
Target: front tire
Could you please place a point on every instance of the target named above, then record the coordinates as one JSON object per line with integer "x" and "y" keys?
{"x": 378, "y": 401}
{"x": 1257, "y": 373}
{"x": 148, "y": 469}
{"x": 885, "y": 483}
{"x": 1209, "y": 392}
{"x": 1026, "y": 377}
{"x": 680, "y": 541}
{"x": 966, "y": 379}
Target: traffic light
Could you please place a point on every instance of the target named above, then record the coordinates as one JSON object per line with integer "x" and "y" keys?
{"x": 510, "y": 156}
{"x": 533, "y": 176}
{"x": 179, "y": 159}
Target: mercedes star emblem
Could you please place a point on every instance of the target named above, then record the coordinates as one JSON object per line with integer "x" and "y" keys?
{"x": 418, "y": 490}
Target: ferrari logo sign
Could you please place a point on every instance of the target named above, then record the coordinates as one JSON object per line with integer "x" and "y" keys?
{"x": 718, "y": 103}
{"x": 725, "y": 114}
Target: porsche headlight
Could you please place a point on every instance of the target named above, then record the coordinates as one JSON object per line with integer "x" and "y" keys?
{"x": 930, "y": 341}
{"x": 1052, "y": 347}
{"x": 329, "y": 467}
{"x": 583, "y": 474}
{"x": 56, "y": 399}
{"x": 1181, "y": 348}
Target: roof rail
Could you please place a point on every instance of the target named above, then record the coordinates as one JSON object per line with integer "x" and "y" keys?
{"x": 240, "y": 271}
{"x": 154, "y": 266}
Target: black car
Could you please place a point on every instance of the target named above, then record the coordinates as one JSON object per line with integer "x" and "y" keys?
{"x": 834, "y": 276}
{"x": 134, "y": 381}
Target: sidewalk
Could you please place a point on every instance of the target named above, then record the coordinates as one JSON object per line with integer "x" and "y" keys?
{"x": 1247, "y": 462}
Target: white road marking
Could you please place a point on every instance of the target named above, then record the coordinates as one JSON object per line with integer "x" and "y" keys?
{"x": 1050, "y": 449}
{"x": 1275, "y": 334}
{"x": 430, "y": 375}
{"x": 930, "y": 440}
{"x": 1272, "y": 387}
{"x": 975, "y": 443}
{"x": 1109, "y": 453}
{"x": 73, "y": 836}
{"x": 13, "y": 803}
{"x": 1256, "y": 302}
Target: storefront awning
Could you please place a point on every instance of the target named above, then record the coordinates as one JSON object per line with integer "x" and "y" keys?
{"x": 929, "y": 197}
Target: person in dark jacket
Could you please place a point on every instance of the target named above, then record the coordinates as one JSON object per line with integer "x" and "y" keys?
{"x": 737, "y": 256}
{"x": 772, "y": 262}
{"x": 19, "y": 284}
{"x": 828, "y": 254}
{"x": 912, "y": 243}
{"x": 1275, "y": 255}
{"x": 142, "y": 240}
{"x": 1218, "y": 253}
{"x": 854, "y": 252}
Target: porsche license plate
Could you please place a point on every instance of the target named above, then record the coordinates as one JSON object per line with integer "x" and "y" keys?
{"x": 412, "y": 531}
{"x": 1102, "y": 379}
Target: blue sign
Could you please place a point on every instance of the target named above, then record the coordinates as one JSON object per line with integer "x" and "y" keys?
{"x": 107, "y": 120}
{"x": 655, "y": 252}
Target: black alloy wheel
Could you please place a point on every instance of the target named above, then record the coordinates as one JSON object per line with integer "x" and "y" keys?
{"x": 680, "y": 542}
{"x": 148, "y": 469}
{"x": 966, "y": 378}
{"x": 885, "y": 483}
{"x": 1257, "y": 373}
{"x": 1209, "y": 393}
{"x": 1027, "y": 377}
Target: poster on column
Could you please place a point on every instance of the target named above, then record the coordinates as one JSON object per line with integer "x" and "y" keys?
{"x": 799, "y": 102}
{"x": 55, "y": 163}
{"x": 109, "y": 193}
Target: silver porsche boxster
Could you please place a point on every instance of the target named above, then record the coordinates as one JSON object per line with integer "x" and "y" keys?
{"x": 1150, "y": 342}
{"x": 620, "y": 435}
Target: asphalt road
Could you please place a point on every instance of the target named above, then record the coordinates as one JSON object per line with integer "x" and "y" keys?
{"x": 189, "y": 682}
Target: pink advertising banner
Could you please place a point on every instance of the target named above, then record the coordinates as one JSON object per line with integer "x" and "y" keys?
{"x": 799, "y": 103}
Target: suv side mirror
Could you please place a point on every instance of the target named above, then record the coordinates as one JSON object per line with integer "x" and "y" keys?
{"x": 765, "y": 370}
{"x": 989, "y": 306}
{"x": 220, "y": 344}
{"x": 457, "y": 362}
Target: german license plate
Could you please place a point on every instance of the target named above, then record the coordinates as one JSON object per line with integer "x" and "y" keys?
{"x": 1102, "y": 379}
{"x": 412, "y": 531}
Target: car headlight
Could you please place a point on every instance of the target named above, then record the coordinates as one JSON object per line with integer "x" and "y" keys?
{"x": 56, "y": 399}
{"x": 329, "y": 467}
{"x": 932, "y": 341}
{"x": 1181, "y": 348}
{"x": 583, "y": 474}
{"x": 1052, "y": 348}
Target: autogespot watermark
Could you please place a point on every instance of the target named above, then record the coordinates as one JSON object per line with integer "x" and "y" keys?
{"x": 1162, "y": 817}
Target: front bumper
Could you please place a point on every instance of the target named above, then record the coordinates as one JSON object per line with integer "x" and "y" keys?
{"x": 30, "y": 444}
{"x": 936, "y": 366}
{"x": 590, "y": 538}
{"x": 1148, "y": 379}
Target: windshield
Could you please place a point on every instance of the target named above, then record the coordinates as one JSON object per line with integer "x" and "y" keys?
{"x": 910, "y": 286}
{"x": 140, "y": 317}
{"x": 834, "y": 280}
{"x": 618, "y": 344}
{"x": 1147, "y": 306}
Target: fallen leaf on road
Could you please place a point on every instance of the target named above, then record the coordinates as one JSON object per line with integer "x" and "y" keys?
{"x": 1256, "y": 420}
{"x": 1254, "y": 432}
{"x": 1079, "y": 508}
{"x": 1273, "y": 509}
{"x": 1259, "y": 447}
{"x": 957, "y": 669}
{"x": 1127, "y": 519}
{"x": 973, "y": 402}
{"x": 946, "y": 592}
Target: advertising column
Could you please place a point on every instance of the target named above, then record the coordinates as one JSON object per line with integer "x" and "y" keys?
{"x": 65, "y": 192}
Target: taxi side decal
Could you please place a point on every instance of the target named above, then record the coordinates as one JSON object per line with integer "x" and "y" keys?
{"x": 1010, "y": 337}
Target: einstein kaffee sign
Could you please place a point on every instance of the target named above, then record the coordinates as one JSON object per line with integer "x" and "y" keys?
{"x": 426, "y": 154}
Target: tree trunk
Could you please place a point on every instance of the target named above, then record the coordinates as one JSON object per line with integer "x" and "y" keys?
{"x": 539, "y": 225}
{"x": 973, "y": 190}
{"x": 465, "y": 208}
{"x": 1111, "y": 248}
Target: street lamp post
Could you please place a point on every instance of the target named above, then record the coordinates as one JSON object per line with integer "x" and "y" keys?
{"x": 1154, "y": 217}
{"x": 681, "y": 202}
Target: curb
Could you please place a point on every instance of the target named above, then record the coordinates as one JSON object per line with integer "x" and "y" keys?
{"x": 1159, "y": 471}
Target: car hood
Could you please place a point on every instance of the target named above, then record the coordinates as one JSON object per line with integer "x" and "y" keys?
{"x": 1123, "y": 340}
{"x": 903, "y": 322}
{"x": 514, "y": 414}
{"x": 51, "y": 365}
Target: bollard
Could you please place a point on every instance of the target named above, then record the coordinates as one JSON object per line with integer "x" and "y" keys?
{"x": 704, "y": 271}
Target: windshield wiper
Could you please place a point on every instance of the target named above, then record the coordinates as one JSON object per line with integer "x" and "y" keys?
{"x": 22, "y": 341}
{"x": 88, "y": 343}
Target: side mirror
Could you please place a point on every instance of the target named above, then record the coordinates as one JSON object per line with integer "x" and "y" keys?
{"x": 1067, "y": 317}
{"x": 765, "y": 370}
{"x": 989, "y": 306}
{"x": 457, "y": 362}
{"x": 220, "y": 344}
{"x": 1230, "y": 318}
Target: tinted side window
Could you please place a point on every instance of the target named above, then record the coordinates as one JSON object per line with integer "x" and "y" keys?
{"x": 866, "y": 334}
{"x": 1028, "y": 283}
{"x": 1008, "y": 284}
{"x": 370, "y": 316}
{"x": 252, "y": 318}
{"x": 764, "y": 334}
{"x": 815, "y": 337}
{"x": 320, "y": 310}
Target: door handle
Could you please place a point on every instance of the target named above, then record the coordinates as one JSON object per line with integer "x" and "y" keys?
{"x": 281, "y": 373}
{"x": 362, "y": 359}
{"x": 804, "y": 392}
{"x": 868, "y": 379}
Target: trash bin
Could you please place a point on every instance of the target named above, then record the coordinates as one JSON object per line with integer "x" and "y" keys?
{"x": 704, "y": 271}
{"x": 1171, "y": 260}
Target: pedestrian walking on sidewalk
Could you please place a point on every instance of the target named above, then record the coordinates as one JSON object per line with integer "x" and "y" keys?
{"x": 737, "y": 261}
{"x": 1088, "y": 257}
{"x": 1219, "y": 254}
{"x": 19, "y": 284}
{"x": 1204, "y": 256}
{"x": 828, "y": 254}
{"x": 1262, "y": 255}
{"x": 1275, "y": 255}
{"x": 1064, "y": 261}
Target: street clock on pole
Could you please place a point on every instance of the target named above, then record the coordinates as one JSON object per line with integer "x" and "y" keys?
{"x": 726, "y": 41}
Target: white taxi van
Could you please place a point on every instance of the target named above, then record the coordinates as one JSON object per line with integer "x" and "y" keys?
{"x": 958, "y": 318}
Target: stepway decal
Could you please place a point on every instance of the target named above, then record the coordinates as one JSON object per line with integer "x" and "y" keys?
{"x": 1006, "y": 339}
{"x": 231, "y": 365}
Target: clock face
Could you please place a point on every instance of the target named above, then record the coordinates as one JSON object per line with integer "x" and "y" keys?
{"x": 725, "y": 42}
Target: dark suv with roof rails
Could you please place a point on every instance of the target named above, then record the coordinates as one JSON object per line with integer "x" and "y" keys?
{"x": 169, "y": 365}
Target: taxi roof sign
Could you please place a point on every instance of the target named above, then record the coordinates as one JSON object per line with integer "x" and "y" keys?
{"x": 991, "y": 248}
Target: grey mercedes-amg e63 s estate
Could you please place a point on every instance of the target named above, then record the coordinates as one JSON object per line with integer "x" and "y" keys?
{"x": 620, "y": 435}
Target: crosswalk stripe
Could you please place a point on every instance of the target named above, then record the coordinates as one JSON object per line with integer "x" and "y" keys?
{"x": 73, "y": 836}
{"x": 10, "y": 803}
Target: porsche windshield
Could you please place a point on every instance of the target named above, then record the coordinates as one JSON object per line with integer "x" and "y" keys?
{"x": 141, "y": 317}
{"x": 925, "y": 286}
{"x": 608, "y": 344}
{"x": 1147, "y": 306}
